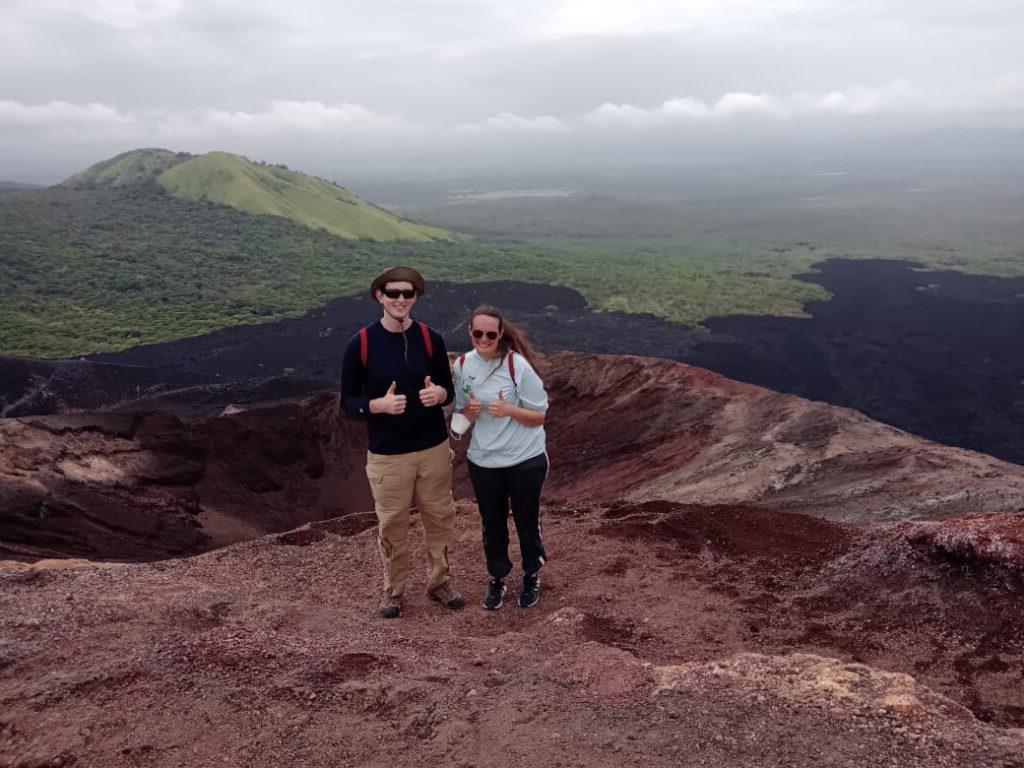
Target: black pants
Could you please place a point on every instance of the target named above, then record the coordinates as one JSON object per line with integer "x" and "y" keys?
{"x": 495, "y": 489}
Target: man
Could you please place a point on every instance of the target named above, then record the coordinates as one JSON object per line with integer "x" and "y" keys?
{"x": 395, "y": 374}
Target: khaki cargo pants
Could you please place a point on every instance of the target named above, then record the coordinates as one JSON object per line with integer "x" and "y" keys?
{"x": 397, "y": 482}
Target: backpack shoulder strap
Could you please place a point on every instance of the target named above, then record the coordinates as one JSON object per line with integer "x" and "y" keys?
{"x": 364, "y": 343}
{"x": 462, "y": 361}
{"x": 425, "y": 330}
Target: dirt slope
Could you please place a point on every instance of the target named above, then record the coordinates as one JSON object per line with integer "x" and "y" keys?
{"x": 666, "y": 635}
{"x": 145, "y": 486}
{"x": 660, "y": 429}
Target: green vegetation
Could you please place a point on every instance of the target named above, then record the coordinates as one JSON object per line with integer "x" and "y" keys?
{"x": 110, "y": 264}
{"x": 273, "y": 190}
{"x": 105, "y": 269}
{"x": 963, "y": 224}
{"x": 685, "y": 281}
{"x": 129, "y": 169}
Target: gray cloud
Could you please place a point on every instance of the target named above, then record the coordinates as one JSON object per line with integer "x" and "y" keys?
{"x": 85, "y": 76}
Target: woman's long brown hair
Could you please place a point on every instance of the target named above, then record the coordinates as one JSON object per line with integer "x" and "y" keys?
{"x": 513, "y": 337}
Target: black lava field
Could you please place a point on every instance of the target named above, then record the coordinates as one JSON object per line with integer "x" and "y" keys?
{"x": 937, "y": 353}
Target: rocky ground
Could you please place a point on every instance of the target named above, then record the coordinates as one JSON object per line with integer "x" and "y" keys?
{"x": 667, "y": 634}
{"x": 736, "y": 577}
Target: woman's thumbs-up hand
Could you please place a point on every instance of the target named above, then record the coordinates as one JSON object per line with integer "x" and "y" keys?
{"x": 500, "y": 407}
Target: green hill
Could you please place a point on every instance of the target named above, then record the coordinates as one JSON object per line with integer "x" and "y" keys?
{"x": 258, "y": 188}
{"x": 129, "y": 169}
{"x": 253, "y": 188}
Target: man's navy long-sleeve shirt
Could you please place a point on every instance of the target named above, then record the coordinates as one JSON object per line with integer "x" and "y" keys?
{"x": 400, "y": 357}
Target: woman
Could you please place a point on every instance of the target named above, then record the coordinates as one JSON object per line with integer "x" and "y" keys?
{"x": 497, "y": 388}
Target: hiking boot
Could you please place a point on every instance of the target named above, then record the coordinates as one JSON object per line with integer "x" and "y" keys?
{"x": 531, "y": 591}
{"x": 390, "y": 606}
{"x": 495, "y": 591}
{"x": 446, "y": 595}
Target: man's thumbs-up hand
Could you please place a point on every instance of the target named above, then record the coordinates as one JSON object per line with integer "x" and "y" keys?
{"x": 499, "y": 407}
{"x": 391, "y": 403}
{"x": 431, "y": 394}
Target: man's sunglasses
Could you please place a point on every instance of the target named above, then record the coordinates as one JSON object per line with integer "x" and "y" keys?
{"x": 394, "y": 293}
{"x": 478, "y": 334}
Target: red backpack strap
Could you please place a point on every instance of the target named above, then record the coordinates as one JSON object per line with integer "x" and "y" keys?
{"x": 426, "y": 340}
{"x": 363, "y": 345}
{"x": 512, "y": 366}
{"x": 462, "y": 362}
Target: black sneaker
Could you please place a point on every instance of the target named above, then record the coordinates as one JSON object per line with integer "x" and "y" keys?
{"x": 531, "y": 591}
{"x": 495, "y": 591}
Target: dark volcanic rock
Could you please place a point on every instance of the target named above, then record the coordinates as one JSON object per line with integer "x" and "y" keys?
{"x": 30, "y": 387}
{"x": 196, "y": 377}
{"x": 937, "y": 353}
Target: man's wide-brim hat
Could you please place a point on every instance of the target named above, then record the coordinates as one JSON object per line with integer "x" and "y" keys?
{"x": 398, "y": 275}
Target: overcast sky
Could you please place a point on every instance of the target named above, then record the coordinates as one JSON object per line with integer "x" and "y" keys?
{"x": 327, "y": 85}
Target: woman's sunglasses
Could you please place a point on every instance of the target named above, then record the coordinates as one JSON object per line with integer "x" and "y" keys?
{"x": 478, "y": 334}
{"x": 394, "y": 293}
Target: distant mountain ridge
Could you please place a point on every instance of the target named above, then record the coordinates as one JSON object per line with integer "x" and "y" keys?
{"x": 14, "y": 185}
{"x": 129, "y": 169}
{"x": 253, "y": 188}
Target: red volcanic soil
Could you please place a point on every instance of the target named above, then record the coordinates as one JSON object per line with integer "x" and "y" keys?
{"x": 736, "y": 577}
{"x": 657, "y": 429}
{"x": 667, "y": 634}
{"x": 138, "y": 486}
{"x": 144, "y": 486}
